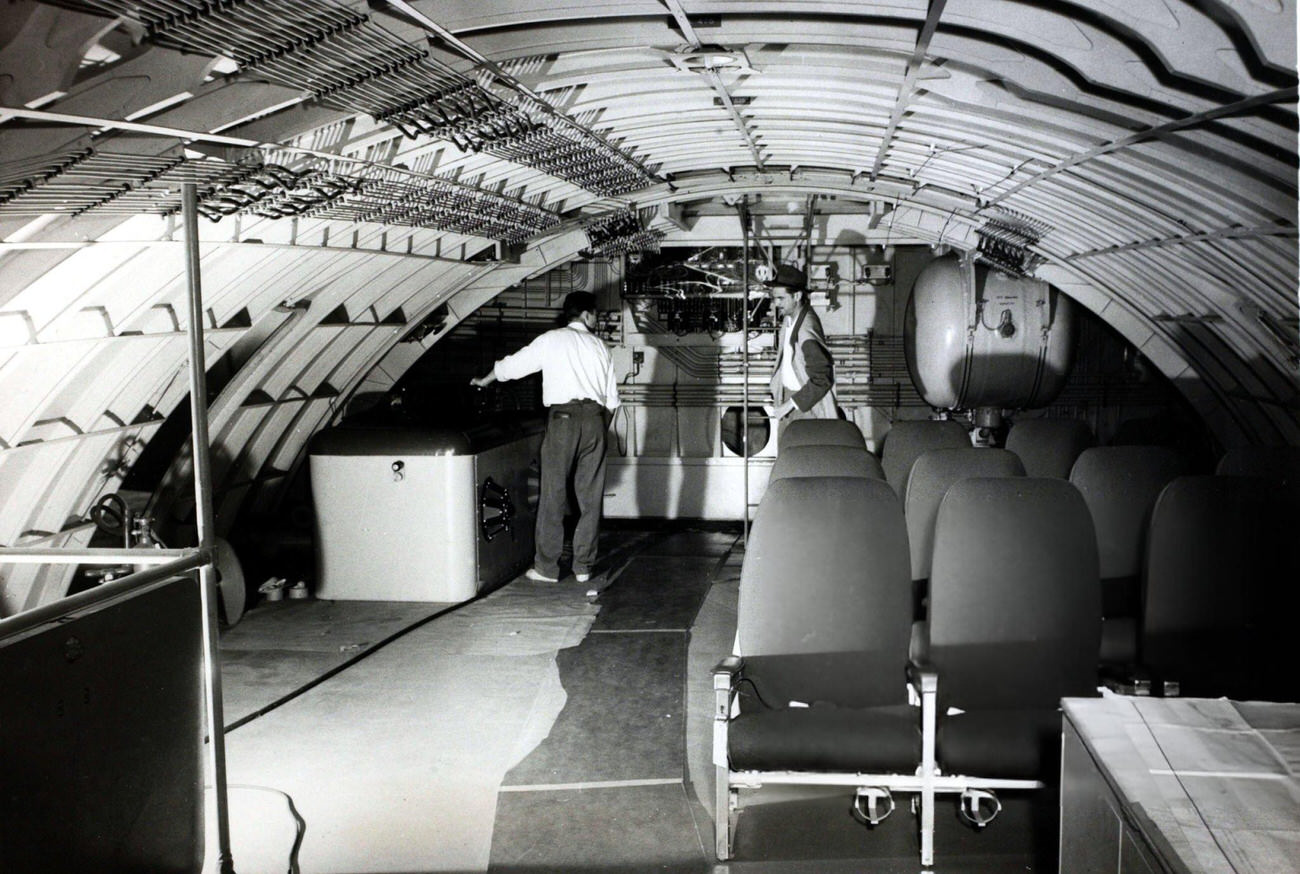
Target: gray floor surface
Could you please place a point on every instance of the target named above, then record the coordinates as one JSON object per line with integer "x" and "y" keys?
{"x": 562, "y": 727}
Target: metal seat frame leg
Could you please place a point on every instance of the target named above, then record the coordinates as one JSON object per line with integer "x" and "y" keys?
{"x": 723, "y": 809}
{"x": 929, "y": 724}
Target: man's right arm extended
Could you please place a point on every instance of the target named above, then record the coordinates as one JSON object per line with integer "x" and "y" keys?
{"x": 527, "y": 360}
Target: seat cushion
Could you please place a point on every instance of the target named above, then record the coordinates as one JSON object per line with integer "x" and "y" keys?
{"x": 827, "y": 738}
{"x": 1006, "y": 744}
{"x": 1209, "y": 663}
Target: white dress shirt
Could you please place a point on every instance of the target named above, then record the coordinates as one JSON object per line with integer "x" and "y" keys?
{"x": 789, "y": 378}
{"x": 574, "y": 362}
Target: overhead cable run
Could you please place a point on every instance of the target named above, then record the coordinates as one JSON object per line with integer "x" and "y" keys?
{"x": 618, "y": 232}
{"x": 1006, "y": 239}
{"x": 79, "y": 180}
{"x": 76, "y": 181}
{"x": 396, "y": 198}
{"x": 335, "y": 52}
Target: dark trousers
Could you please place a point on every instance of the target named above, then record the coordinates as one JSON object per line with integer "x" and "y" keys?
{"x": 572, "y": 450}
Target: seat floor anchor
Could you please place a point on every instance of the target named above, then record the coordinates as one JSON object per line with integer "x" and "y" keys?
{"x": 872, "y": 805}
{"x": 979, "y": 807}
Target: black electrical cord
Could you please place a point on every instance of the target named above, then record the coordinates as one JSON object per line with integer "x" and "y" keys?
{"x": 111, "y": 515}
{"x": 300, "y": 824}
{"x": 754, "y": 688}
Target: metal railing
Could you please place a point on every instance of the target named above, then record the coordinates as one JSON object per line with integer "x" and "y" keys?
{"x": 174, "y": 562}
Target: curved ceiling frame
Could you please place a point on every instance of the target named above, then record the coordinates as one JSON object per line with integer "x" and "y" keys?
{"x": 1113, "y": 169}
{"x": 288, "y": 383}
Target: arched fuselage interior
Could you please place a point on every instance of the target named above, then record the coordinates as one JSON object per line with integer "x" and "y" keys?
{"x": 1063, "y": 232}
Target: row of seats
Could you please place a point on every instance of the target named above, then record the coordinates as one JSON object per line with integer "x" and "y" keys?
{"x": 1151, "y": 632}
{"x": 1019, "y": 569}
{"x": 818, "y": 691}
{"x": 1052, "y": 446}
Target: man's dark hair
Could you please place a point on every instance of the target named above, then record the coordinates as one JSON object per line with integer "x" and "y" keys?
{"x": 576, "y": 303}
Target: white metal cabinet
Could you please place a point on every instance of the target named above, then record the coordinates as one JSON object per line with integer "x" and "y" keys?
{"x": 405, "y": 514}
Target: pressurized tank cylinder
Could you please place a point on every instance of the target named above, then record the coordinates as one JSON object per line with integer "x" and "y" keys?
{"x": 979, "y": 338}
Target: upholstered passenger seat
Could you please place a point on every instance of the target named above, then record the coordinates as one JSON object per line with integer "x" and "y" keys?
{"x": 809, "y": 460}
{"x": 1120, "y": 485}
{"x": 1278, "y": 463}
{"x": 906, "y": 441}
{"x": 1049, "y": 447}
{"x": 1014, "y": 622}
{"x": 821, "y": 432}
{"x": 823, "y": 623}
{"x": 1220, "y": 587}
{"x": 932, "y": 475}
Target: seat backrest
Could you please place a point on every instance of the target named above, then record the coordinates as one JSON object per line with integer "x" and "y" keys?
{"x": 1015, "y": 600}
{"x": 820, "y": 432}
{"x": 825, "y": 601}
{"x": 1219, "y": 583}
{"x": 907, "y": 440}
{"x": 1120, "y": 485}
{"x": 932, "y": 474}
{"x": 800, "y": 461}
{"x": 1280, "y": 463}
{"x": 1049, "y": 447}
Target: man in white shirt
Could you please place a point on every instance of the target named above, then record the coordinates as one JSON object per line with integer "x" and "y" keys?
{"x": 579, "y": 387}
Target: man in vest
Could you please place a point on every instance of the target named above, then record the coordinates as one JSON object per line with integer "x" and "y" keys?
{"x": 803, "y": 382}
{"x": 580, "y": 389}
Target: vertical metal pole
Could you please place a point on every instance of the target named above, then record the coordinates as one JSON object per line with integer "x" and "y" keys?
{"x": 744, "y": 361}
{"x": 204, "y": 517}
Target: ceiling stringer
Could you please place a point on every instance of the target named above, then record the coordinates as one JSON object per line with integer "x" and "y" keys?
{"x": 909, "y": 82}
{"x": 715, "y": 81}
{"x": 1240, "y": 107}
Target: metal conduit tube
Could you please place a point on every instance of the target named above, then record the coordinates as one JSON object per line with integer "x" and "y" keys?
{"x": 90, "y": 555}
{"x": 246, "y": 34}
{"x": 16, "y": 190}
{"x": 744, "y": 357}
{"x": 204, "y": 521}
{"x": 120, "y": 588}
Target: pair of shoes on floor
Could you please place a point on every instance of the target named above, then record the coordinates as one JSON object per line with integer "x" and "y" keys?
{"x": 538, "y": 577}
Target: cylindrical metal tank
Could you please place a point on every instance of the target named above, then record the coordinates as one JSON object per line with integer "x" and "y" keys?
{"x": 976, "y": 337}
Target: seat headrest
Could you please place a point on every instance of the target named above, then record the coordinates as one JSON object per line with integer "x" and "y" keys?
{"x": 821, "y": 432}
{"x": 802, "y": 461}
{"x": 1049, "y": 447}
{"x": 1281, "y": 463}
{"x": 907, "y": 440}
